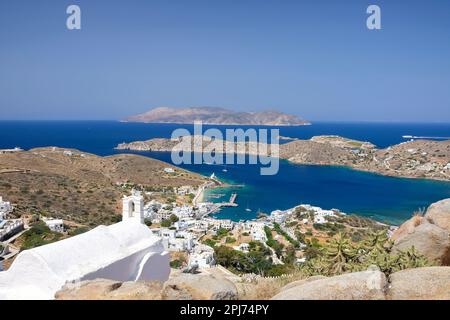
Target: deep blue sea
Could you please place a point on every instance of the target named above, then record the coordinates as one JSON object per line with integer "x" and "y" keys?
{"x": 386, "y": 199}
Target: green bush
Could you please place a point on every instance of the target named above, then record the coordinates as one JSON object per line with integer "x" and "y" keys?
{"x": 38, "y": 235}
{"x": 78, "y": 231}
{"x": 210, "y": 242}
{"x": 166, "y": 223}
{"x": 230, "y": 240}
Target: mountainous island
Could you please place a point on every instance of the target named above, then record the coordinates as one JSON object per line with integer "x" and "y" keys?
{"x": 413, "y": 159}
{"x": 216, "y": 116}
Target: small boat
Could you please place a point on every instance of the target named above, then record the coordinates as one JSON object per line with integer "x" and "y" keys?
{"x": 224, "y": 170}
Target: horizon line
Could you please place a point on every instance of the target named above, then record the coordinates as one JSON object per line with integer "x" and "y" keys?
{"x": 189, "y": 123}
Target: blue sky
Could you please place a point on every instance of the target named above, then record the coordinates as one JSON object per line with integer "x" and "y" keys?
{"x": 315, "y": 59}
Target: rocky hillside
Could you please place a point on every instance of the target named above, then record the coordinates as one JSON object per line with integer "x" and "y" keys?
{"x": 219, "y": 116}
{"x": 79, "y": 186}
{"x": 413, "y": 159}
{"x": 189, "y": 143}
{"x": 419, "y": 159}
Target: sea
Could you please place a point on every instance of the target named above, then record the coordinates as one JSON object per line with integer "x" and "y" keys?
{"x": 385, "y": 199}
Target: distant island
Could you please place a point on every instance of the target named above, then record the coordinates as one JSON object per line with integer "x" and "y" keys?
{"x": 216, "y": 116}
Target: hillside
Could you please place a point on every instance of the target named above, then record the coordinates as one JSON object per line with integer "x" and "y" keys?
{"x": 218, "y": 116}
{"x": 412, "y": 159}
{"x": 78, "y": 186}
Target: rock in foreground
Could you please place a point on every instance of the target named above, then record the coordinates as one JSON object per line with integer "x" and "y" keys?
{"x": 102, "y": 289}
{"x": 428, "y": 234}
{"x": 199, "y": 287}
{"x": 180, "y": 287}
{"x": 432, "y": 283}
{"x": 366, "y": 285}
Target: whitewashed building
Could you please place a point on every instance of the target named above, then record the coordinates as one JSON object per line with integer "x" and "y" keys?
{"x": 56, "y": 225}
{"x": 9, "y": 228}
{"x": 169, "y": 170}
{"x": 5, "y": 208}
{"x": 173, "y": 240}
{"x": 183, "y": 212}
{"x": 125, "y": 251}
{"x": 133, "y": 207}
{"x": 278, "y": 216}
{"x": 202, "y": 257}
{"x": 255, "y": 230}
{"x": 244, "y": 247}
{"x": 225, "y": 224}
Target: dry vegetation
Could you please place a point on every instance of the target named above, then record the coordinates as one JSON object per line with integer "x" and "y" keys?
{"x": 80, "y": 187}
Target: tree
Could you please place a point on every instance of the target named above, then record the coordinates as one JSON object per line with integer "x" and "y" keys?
{"x": 222, "y": 232}
{"x": 166, "y": 223}
{"x": 173, "y": 218}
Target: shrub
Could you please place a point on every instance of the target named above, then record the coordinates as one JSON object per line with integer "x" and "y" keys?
{"x": 230, "y": 240}
{"x": 38, "y": 235}
{"x": 166, "y": 223}
{"x": 210, "y": 242}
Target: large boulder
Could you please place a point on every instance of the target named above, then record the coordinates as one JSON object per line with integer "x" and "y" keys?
{"x": 366, "y": 285}
{"x": 102, "y": 289}
{"x": 428, "y": 234}
{"x": 428, "y": 239}
{"x": 431, "y": 283}
{"x": 439, "y": 214}
{"x": 407, "y": 228}
{"x": 199, "y": 287}
{"x": 301, "y": 282}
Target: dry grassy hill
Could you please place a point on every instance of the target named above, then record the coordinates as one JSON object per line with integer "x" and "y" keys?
{"x": 79, "y": 186}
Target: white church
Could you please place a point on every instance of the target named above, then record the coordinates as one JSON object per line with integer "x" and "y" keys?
{"x": 125, "y": 251}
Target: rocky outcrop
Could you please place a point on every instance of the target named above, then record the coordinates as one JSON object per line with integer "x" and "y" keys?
{"x": 180, "y": 287}
{"x": 199, "y": 287}
{"x": 431, "y": 283}
{"x": 102, "y": 289}
{"x": 428, "y": 234}
{"x": 428, "y": 239}
{"x": 366, "y": 285}
{"x": 439, "y": 214}
{"x": 301, "y": 282}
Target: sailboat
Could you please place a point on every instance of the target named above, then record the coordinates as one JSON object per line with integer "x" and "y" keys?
{"x": 225, "y": 169}
{"x": 248, "y": 209}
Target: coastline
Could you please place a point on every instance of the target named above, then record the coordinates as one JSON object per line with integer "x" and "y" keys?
{"x": 412, "y": 159}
